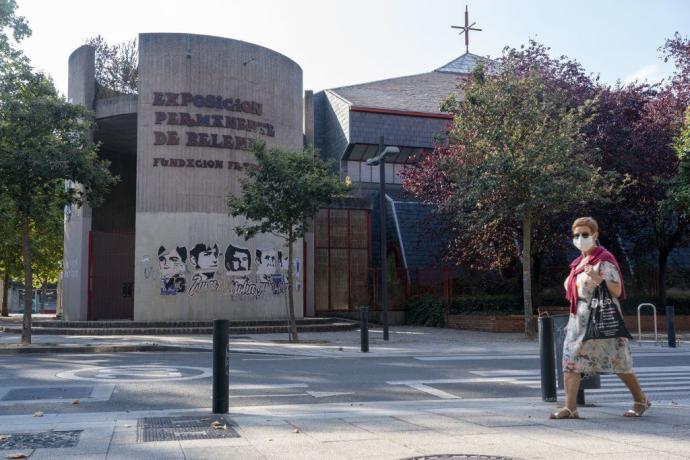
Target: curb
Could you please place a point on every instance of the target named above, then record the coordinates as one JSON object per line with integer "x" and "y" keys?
{"x": 95, "y": 349}
{"x": 249, "y": 330}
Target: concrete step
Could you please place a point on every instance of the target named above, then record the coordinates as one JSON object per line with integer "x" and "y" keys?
{"x": 171, "y": 324}
{"x": 204, "y": 330}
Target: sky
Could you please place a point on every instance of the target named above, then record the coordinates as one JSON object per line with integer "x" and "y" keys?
{"x": 348, "y": 42}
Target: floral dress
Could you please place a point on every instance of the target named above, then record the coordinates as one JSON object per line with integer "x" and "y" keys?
{"x": 600, "y": 355}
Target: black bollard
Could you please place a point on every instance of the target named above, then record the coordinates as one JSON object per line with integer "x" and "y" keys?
{"x": 670, "y": 327}
{"x": 548, "y": 359}
{"x": 221, "y": 366}
{"x": 364, "y": 328}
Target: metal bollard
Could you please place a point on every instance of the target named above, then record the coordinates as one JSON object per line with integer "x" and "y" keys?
{"x": 548, "y": 359}
{"x": 364, "y": 328}
{"x": 670, "y": 327}
{"x": 221, "y": 366}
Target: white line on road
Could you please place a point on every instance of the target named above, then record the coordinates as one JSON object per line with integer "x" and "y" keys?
{"x": 654, "y": 370}
{"x": 268, "y": 395}
{"x": 287, "y": 358}
{"x": 433, "y": 391}
{"x": 624, "y": 390}
{"x": 145, "y": 373}
{"x": 446, "y": 381}
{"x": 313, "y": 394}
{"x": 476, "y": 357}
{"x": 326, "y": 394}
{"x": 268, "y": 386}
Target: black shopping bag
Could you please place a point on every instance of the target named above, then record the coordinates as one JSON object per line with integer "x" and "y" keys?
{"x": 605, "y": 319}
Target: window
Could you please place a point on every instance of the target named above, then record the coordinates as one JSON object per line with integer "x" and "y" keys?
{"x": 342, "y": 240}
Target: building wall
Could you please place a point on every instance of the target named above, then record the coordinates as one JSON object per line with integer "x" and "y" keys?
{"x": 182, "y": 185}
{"x": 81, "y": 90}
{"x": 332, "y": 125}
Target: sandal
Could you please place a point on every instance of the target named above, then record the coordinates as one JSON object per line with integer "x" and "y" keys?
{"x": 564, "y": 413}
{"x": 646, "y": 404}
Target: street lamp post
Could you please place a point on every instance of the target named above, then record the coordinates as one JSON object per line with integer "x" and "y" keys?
{"x": 380, "y": 160}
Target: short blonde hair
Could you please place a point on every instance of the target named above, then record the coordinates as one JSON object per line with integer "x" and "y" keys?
{"x": 586, "y": 222}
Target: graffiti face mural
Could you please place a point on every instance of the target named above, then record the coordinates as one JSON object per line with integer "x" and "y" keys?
{"x": 204, "y": 259}
{"x": 266, "y": 261}
{"x": 247, "y": 277}
{"x": 238, "y": 260}
{"x": 171, "y": 264}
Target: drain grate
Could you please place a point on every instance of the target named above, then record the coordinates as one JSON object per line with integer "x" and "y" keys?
{"x": 43, "y": 440}
{"x": 460, "y": 457}
{"x": 184, "y": 428}
{"x": 34, "y": 394}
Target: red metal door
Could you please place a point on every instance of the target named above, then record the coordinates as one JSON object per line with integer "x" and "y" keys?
{"x": 111, "y": 276}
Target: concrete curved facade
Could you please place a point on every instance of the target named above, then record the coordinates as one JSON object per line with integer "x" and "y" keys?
{"x": 202, "y": 101}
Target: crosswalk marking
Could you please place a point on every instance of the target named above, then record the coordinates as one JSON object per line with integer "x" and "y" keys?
{"x": 660, "y": 380}
{"x": 654, "y": 380}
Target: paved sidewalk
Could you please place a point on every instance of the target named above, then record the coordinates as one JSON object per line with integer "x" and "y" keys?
{"x": 404, "y": 341}
{"x": 516, "y": 428}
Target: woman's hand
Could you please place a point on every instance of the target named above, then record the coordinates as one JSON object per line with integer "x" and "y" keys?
{"x": 596, "y": 277}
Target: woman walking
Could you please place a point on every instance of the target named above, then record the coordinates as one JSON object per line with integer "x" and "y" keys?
{"x": 594, "y": 266}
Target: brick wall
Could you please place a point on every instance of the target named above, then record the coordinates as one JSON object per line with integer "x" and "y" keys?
{"x": 487, "y": 323}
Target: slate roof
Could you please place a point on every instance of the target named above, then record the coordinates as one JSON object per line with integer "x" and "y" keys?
{"x": 414, "y": 93}
{"x": 466, "y": 63}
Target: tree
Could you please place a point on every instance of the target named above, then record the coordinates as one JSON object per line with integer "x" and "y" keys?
{"x": 13, "y": 29}
{"x": 635, "y": 129}
{"x": 46, "y": 249}
{"x": 679, "y": 194}
{"x": 44, "y": 144}
{"x": 47, "y": 240}
{"x": 661, "y": 130}
{"x": 10, "y": 249}
{"x": 280, "y": 195}
{"x": 117, "y": 68}
{"x": 515, "y": 156}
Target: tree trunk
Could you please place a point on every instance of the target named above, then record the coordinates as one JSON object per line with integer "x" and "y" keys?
{"x": 661, "y": 279}
{"x": 28, "y": 282}
{"x": 44, "y": 293}
{"x": 5, "y": 287}
{"x": 536, "y": 281}
{"x": 291, "y": 300}
{"x": 527, "y": 274}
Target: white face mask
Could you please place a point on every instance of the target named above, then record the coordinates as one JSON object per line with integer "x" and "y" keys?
{"x": 583, "y": 244}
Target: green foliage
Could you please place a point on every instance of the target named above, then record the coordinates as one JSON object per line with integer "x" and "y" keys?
{"x": 280, "y": 194}
{"x": 45, "y": 141}
{"x": 678, "y": 197}
{"x": 47, "y": 232}
{"x": 517, "y": 157}
{"x": 47, "y": 161}
{"x": 117, "y": 70}
{"x": 426, "y": 310}
{"x": 523, "y": 148}
{"x": 283, "y": 191}
{"x": 46, "y": 238}
{"x": 13, "y": 29}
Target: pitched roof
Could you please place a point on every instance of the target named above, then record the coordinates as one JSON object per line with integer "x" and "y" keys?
{"x": 466, "y": 63}
{"x": 414, "y": 93}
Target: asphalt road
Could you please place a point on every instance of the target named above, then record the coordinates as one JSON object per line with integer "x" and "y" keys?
{"x": 150, "y": 381}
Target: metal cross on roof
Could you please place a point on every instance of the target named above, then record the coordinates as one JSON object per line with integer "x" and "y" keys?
{"x": 466, "y": 30}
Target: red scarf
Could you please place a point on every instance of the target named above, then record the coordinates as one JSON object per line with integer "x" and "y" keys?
{"x": 598, "y": 255}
